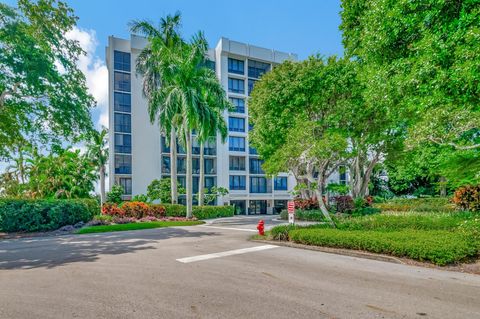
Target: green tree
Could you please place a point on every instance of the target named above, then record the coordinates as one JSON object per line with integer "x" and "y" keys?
{"x": 98, "y": 153}
{"x": 159, "y": 189}
{"x": 421, "y": 59}
{"x": 215, "y": 192}
{"x": 43, "y": 95}
{"x": 115, "y": 194}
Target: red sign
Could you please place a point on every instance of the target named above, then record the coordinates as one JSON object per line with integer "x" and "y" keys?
{"x": 291, "y": 207}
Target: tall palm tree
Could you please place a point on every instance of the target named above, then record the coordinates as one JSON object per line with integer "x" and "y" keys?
{"x": 97, "y": 152}
{"x": 152, "y": 63}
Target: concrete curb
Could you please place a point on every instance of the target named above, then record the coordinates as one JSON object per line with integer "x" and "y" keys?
{"x": 337, "y": 251}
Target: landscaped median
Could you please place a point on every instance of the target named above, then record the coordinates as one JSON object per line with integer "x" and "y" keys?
{"x": 136, "y": 226}
{"x": 440, "y": 238}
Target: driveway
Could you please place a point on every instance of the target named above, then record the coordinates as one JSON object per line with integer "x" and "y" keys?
{"x": 213, "y": 271}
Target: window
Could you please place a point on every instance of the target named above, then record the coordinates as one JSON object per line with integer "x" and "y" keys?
{"x": 281, "y": 184}
{"x": 122, "y": 123}
{"x": 343, "y": 175}
{"x": 210, "y": 167}
{"x": 236, "y": 124}
{"x": 195, "y": 146}
{"x": 181, "y": 165}
{"x": 236, "y": 66}
{"x": 126, "y": 183}
{"x": 256, "y": 68}
{"x": 195, "y": 166}
{"x": 239, "y": 104}
{"x": 237, "y": 163}
{"x": 256, "y": 166}
{"x": 210, "y": 146}
{"x": 121, "y": 81}
{"x": 122, "y": 102}
{"x": 166, "y": 164}
{"x": 236, "y": 86}
{"x": 165, "y": 147}
{"x": 123, "y": 143}
{"x": 209, "y": 182}
{"x": 236, "y": 144}
{"x": 252, "y": 151}
{"x": 123, "y": 164}
{"x": 251, "y": 84}
{"x": 259, "y": 185}
{"x": 121, "y": 61}
{"x": 210, "y": 64}
{"x": 238, "y": 182}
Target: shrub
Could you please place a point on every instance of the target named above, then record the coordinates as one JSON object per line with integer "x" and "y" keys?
{"x": 208, "y": 212}
{"x": 115, "y": 194}
{"x": 439, "y": 247}
{"x": 439, "y": 204}
{"x": 112, "y": 209}
{"x": 281, "y": 232}
{"x": 468, "y": 198}
{"x": 136, "y": 209}
{"x": 365, "y": 211}
{"x": 344, "y": 204}
{"x": 284, "y": 214}
{"x": 44, "y": 215}
{"x": 140, "y": 198}
{"x": 306, "y": 204}
{"x": 309, "y": 215}
{"x": 159, "y": 211}
{"x": 175, "y": 210}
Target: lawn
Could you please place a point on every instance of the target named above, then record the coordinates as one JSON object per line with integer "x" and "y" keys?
{"x": 440, "y": 238}
{"x": 136, "y": 226}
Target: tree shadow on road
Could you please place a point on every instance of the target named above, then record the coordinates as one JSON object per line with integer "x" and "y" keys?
{"x": 56, "y": 251}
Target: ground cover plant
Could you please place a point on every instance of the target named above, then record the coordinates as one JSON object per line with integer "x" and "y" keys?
{"x": 136, "y": 226}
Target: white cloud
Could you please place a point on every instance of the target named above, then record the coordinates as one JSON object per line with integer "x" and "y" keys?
{"x": 94, "y": 69}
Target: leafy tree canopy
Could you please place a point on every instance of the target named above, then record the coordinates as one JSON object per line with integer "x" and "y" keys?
{"x": 43, "y": 95}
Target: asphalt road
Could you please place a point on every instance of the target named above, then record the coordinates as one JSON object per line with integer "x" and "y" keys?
{"x": 137, "y": 275}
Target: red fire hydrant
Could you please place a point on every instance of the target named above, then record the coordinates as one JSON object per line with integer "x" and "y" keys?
{"x": 261, "y": 227}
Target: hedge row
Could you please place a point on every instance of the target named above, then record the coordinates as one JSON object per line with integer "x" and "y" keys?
{"x": 17, "y": 215}
{"x": 439, "y": 247}
{"x": 307, "y": 215}
{"x": 141, "y": 210}
{"x": 439, "y": 204}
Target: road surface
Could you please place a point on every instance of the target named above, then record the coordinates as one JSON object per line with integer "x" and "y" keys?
{"x": 213, "y": 271}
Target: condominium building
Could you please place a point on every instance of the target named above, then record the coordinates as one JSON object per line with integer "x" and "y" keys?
{"x": 140, "y": 154}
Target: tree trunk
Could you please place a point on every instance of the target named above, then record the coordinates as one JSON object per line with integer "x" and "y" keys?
{"x": 188, "y": 145}
{"x": 102, "y": 184}
{"x": 323, "y": 207}
{"x": 173, "y": 167}
{"x": 201, "y": 179}
{"x": 443, "y": 186}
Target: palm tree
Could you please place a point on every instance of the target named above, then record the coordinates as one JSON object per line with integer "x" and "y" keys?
{"x": 152, "y": 65}
{"x": 97, "y": 152}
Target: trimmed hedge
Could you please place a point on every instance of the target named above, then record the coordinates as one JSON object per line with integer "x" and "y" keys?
{"x": 439, "y": 204}
{"x": 208, "y": 212}
{"x": 307, "y": 215}
{"x": 175, "y": 210}
{"x": 439, "y": 247}
{"x": 23, "y": 215}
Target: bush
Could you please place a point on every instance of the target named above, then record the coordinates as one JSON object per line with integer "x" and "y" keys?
{"x": 306, "y": 204}
{"x": 115, "y": 194}
{"x": 468, "y": 198}
{"x": 439, "y": 247}
{"x": 208, "y": 212}
{"x": 175, "y": 210}
{"x": 439, "y": 204}
{"x": 365, "y": 211}
{"x": 281, "y": 232}
{"x": 44, "y": 215}
{"x": 344, "y": 204}
{"x": 137, "y": 210}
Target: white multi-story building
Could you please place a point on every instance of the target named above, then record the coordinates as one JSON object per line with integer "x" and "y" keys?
{"x": 138, "y": 153}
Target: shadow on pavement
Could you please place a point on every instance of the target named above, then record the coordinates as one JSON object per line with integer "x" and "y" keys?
{"x": 56, "y": 251}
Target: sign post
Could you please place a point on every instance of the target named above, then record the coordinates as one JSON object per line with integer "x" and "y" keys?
{"x": 291, "y": 212}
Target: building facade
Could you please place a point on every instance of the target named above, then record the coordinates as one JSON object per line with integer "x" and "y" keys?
{"x": 139, "y": 153}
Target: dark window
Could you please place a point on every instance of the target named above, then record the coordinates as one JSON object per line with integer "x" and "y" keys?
{"x": 239, "y": 104}
{"x": 251, "y": 84}
{"x": 343, "y": 175}
{"x": 260, "y": 185}
{"x": 236, "y": 124}
{"x": 166, "y": 164}
{"x": 123, "y": 143}
{"x": 181, "y": 165}
{"x": 257, "y": 68}
{"x": 279, "y": 205}
{"x": 252, "y": 150}
{"x": 236, "y": 66}
{"x": 240, "y": 206}
{"x": 210, "y": 167}
{"x": 236, "y": 144}
{"x": 237, "y": 163}
{"x": 209, "y": 182}
{"x": 210, "y": 146}
{"x": 281, "y": 184}
{"x": 195, "y": 147}
{"x": 121, "y": 61}
{"x": 122, "y": 123}
{"x": 122, "y": 102}
{"x": 121, "y": 81}
{"x": 236, "y": 86}
{"x": 165, "y": 147}
{"x": 256, "y": 166}
{"x": 210, "y": 64}
{"x": 126, "y": 183}
{"x": 237, "y": 182}
{"x": 195, "y": 166}
{"x": 123, "y": 164}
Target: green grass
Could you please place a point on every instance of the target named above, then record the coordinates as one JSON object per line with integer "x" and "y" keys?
{"x": 135, "y": 226}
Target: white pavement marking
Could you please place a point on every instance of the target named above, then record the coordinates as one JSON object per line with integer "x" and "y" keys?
{"x": 187, "y": 260}
{"x": 229, "y": 228}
